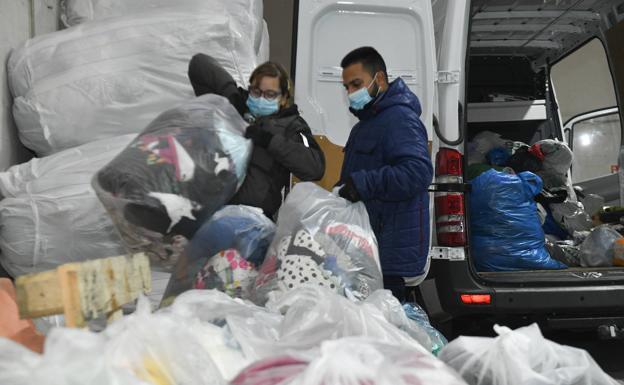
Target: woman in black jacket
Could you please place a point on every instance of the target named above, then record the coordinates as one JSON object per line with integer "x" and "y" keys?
{"x": 283, "y": 142}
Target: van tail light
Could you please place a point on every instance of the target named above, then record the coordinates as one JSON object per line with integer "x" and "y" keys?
{"x": 449, "y": 206}
{"x": 476, "y": 299}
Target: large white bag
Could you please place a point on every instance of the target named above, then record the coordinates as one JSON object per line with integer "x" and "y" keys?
{"x": 521, "y": 357}
{"x": 112, "y": 77}
{"x": 51, "y": 215}
{"x": 247, "y": 14}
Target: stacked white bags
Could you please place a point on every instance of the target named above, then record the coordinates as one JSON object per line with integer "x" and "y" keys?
{"x": 112, "y": 76}
{"x": 50, "y": 215}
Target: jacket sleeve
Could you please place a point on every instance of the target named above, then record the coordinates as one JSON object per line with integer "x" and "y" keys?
{"x": 207, "y": 76}
{"x": 298, "y": 151}
{"x": 407, "y": 168}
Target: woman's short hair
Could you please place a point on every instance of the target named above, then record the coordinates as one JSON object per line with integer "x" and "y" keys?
{"x": 273, "y": 70}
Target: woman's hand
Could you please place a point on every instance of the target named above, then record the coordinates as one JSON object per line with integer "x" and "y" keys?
{"x": 258, "y": 135}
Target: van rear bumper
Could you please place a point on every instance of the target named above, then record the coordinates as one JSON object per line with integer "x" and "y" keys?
{"x": 572, "y": 294}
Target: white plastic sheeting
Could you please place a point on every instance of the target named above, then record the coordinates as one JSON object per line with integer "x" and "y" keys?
{"x": 51, "y": 215}
{"x": 113, "y": 76}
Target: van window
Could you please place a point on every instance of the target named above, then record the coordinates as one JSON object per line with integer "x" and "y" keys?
{"x": 596, "y": 146}
{"x": 585, "y": 94}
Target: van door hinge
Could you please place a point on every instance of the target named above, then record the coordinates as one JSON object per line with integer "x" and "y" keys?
{"x": 447, "y": 77}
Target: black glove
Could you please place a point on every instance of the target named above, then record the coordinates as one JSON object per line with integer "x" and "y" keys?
{"x": 258, "y": 136}
{"x": 349, "y": 192}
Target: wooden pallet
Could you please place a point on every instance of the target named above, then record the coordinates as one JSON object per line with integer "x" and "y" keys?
{"x": 84, "y": 291}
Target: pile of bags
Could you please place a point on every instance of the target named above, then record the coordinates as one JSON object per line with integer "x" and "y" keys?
{"x": 131, "y": 59}
{"x": 522, "y": 189}
{"x": 308, "y": 335}
{"x": 132, "y": 66}
{"x": 207, "y": 337}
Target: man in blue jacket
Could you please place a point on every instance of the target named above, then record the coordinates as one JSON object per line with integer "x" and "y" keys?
{"x": 388, "y": 167}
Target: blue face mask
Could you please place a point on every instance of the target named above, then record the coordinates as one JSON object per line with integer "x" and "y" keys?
{"x": 262, "y": 106}
{"x": 361, "y": 97}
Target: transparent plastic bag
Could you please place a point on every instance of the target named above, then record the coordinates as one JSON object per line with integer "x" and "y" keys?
{"x": 353, "y": 361}
{"x": 185, "y": 166}
{"x": 132, "y": 66}
{"x": 418, "y": 315}
{"x": 321, "y": 240}
{"x": 557, "y": 159}
{"x": 520, "y": 357}
{"x": 224, "y": 253}
{"x": 571, "y": 216}
{"x": 51, "y": 215}
{"x": 481, "y": 144}
{"x": 597, "y": 248}
{"x": 312, "y": 314}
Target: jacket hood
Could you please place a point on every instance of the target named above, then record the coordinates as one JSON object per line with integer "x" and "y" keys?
{"x": 397, "y": 94}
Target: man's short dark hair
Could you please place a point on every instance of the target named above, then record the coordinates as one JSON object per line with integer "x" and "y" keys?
{"x": 370, "y": 59}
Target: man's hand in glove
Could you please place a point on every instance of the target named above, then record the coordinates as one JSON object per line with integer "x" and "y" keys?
{"x": 258, "y": 136}
{"x": 349, "y": 192}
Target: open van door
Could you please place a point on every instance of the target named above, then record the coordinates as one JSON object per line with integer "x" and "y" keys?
{"x": 588, "y": 109}
{"x": 401, "y": 30}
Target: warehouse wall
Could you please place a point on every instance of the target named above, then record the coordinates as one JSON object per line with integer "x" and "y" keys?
{"x": 19, "y": 20}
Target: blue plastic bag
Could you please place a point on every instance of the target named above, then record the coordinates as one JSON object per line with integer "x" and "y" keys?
{"x": 418, "y": 315}
{"x": 506, "y": 232}
{"x": 498, "y": 156}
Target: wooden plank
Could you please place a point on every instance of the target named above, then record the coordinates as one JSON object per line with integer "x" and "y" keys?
{"x": 39, "y": 295}
{"x": 86, "y": 290}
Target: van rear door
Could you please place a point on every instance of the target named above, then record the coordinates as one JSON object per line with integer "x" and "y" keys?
{"x": 401, "y": 30}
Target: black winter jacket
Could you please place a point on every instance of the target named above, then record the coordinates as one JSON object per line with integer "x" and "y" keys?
{"x": 292, "y": 149}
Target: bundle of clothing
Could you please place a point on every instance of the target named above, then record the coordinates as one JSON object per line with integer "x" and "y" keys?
{"x": 224, "y": 254}
{"x": 187, "y": 164}
{"x": 321, "y": 240}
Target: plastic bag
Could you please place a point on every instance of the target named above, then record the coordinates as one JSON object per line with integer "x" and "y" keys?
{"x": 312, "y": 314}
{"x": 571, "y": 216}
{"x": 185, "y": 166}
{"x": 497, "y": 156}
{"x": 557, "y": 159}
{"x": 481, "y": 144}
{"x": 506, "y": 230}
{"x": 593, "y": 203}
{"x": 321, "y": 240}
{"x": 140, "y": 349}
{"x": 417, "y": 314}
{"x": 133, "y": 67}
{"x": 519, "y": 357}
{"x": 352, "y": 361}
{"x": 224, "y": 253}
{"x": 597, "y": 248}
{"x": 570, "y": 255}
{"x": 51, "y": 215}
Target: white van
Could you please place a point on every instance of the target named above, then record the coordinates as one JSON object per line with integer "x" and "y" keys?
{"x": 525, "y": 69}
